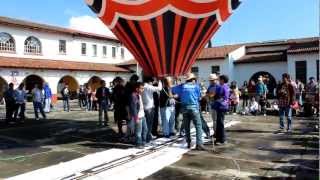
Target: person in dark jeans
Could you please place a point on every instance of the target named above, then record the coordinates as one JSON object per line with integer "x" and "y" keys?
{"x": 119, "y": 100}
{"x": 221, "y": 95}
{"x": 20, "y": 96}
{"x": 38, "y": 99}
{"x": 65, "y": 92}
{"x": 245, "y": 94}
{"x": 190, "y": 94}
{"x": 103, "y": 95}
{"x": 9, "y": 97}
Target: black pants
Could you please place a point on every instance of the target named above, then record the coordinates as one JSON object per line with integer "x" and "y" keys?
{"x": 10, "y": 109}
{"x": 22, "y": 108}
{"x": 155, "y": 125}
{"x": 149, "y": 114}
{"x": 220, "y": 135}
{"x": 245, "y": 102}
{"x": 120, "y": 114}
{"x": 177, "y": 122}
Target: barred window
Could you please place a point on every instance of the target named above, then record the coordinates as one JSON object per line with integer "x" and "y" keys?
{"x": 62, "y": 46}
{"x": 83, "y": 49}
{"x": 94, "y": 49}
{"x": 7, "y": 43}
{"x": 122, "y": 53}
{"x": 113, "y": 52}
{"x": 32, "y": 45}
{"x": 104, "y": 51}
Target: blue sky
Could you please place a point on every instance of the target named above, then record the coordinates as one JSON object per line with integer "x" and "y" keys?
{"x": 254, "y": 20}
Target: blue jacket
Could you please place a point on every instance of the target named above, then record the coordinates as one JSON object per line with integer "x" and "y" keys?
{"x": 189, "y": 94}
{"x": 47, "y": 92}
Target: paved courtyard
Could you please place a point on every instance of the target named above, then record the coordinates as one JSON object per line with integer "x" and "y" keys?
{"x": 253, "y": 151}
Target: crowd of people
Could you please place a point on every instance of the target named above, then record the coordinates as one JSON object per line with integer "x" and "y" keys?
{"x": 151, "y": 108}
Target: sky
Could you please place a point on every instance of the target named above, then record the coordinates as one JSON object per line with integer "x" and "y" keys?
{"x": 254, "y": 20}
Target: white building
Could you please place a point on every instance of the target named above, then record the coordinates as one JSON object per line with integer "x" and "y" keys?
{"x": 35, "y": 53}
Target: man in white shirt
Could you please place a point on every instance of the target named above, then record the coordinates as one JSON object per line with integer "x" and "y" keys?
{"x": 148, "y": 103}
{"x": 38, "y": 99}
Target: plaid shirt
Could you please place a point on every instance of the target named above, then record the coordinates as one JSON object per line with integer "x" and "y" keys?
{"x": 285, "y": 95}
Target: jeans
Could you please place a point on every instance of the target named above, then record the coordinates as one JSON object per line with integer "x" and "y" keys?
{"x": 283, "y": 111}
{"x": 141, "y": 130}
{"x": 192, "y": 113}
{"x": 167, "y": 119}
{"x": 103, "y": 111}
{"x": 149, "y": 114}
{"x": 66, "y": 105}
{"x": 220, "y": 134}
{"x": 47, "y": 103}
{"x": 205, "y": 127}
{"x": 22, "y": 108}
{"x": 10, "y": 109}
{"x": 38, "y": 107}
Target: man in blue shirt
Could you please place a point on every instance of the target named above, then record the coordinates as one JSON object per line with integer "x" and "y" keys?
{"x": 189, "y": 94}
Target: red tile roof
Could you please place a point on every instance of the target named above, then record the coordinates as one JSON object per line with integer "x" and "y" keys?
{"x": 262, "y": 57}
{"x": 52, "y": 29}
{"x": 219, "y": 52}
{"x": 29, "y": 63}
{"x": 131, "y": 62}
{"x": 304, "y": 47}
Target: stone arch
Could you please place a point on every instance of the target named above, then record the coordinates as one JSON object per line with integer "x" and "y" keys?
{"x": 3, "y": 87}
{"x": 268, "y": 79}
{"x": 71, "y": 82}
{"x": 94, "y": 82}
{"x": 31, "y": 80}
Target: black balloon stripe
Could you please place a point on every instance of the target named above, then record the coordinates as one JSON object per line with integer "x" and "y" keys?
{"x": 157, "y": 39}
{"x": 182, "y": 28}
{"x": 144, "y": 43}
{"x": 168, "y": 29}
{"x": 202, "y": 34}
{"x": 125, "y": 26}
{"x": 184, "y": 60}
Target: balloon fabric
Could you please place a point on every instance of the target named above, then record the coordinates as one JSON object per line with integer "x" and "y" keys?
{"x": 164, "y": 36}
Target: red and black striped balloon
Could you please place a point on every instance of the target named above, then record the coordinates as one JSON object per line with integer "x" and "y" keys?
{"x": 165, "y": 36}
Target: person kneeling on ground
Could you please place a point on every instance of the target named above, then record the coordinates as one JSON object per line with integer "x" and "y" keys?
{"x": 253, "y": 106}
{"x": 138, "y": 115}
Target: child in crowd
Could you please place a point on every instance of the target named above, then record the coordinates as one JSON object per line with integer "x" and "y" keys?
{"x": 138, "y": 116}
{"x": 234, "y": 100}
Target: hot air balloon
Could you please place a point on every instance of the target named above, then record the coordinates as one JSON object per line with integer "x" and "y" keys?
{"x": 165, "y": 36}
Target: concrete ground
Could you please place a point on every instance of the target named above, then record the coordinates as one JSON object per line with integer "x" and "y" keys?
{"x": 254, "y": 151}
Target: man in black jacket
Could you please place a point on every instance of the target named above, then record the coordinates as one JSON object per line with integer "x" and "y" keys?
{"x": 103, "y": 95}
{"x": 9, "y": 97}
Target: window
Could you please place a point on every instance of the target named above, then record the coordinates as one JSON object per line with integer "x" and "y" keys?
{"x": 7, "y": 43}
{"x": 318, "y": 70}
{"x": 215, "y": 69}
{"x": 113, "y": 52}
{"x": 62, "y": 46}
{"x": 104, "y": 51}
{"x": 122, "y": 53}
{"x": 301, "y": 71}
{"x": 83, "y": 49}
{"x": 195, "y": 71}
{"x": 94, "y": 49}
{"x": 32, "y": 45}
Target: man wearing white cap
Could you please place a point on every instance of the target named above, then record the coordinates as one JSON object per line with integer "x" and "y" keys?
{"x": 190, "y": 95}
{"x": 213, "y": 79}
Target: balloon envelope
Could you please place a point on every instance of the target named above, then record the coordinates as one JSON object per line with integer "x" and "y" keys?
{"x": 165, "y": 36}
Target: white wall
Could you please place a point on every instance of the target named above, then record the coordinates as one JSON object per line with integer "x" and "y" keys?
{"x": 232, "y": 56}
{"x": 310, "y": 58}
{"x": 205, "y": 68}
{"x": 50, "y": 46}
{"x": 243, "y": 72}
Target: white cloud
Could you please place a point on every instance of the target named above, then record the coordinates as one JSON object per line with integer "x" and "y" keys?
{"x": 89, "y": 24}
